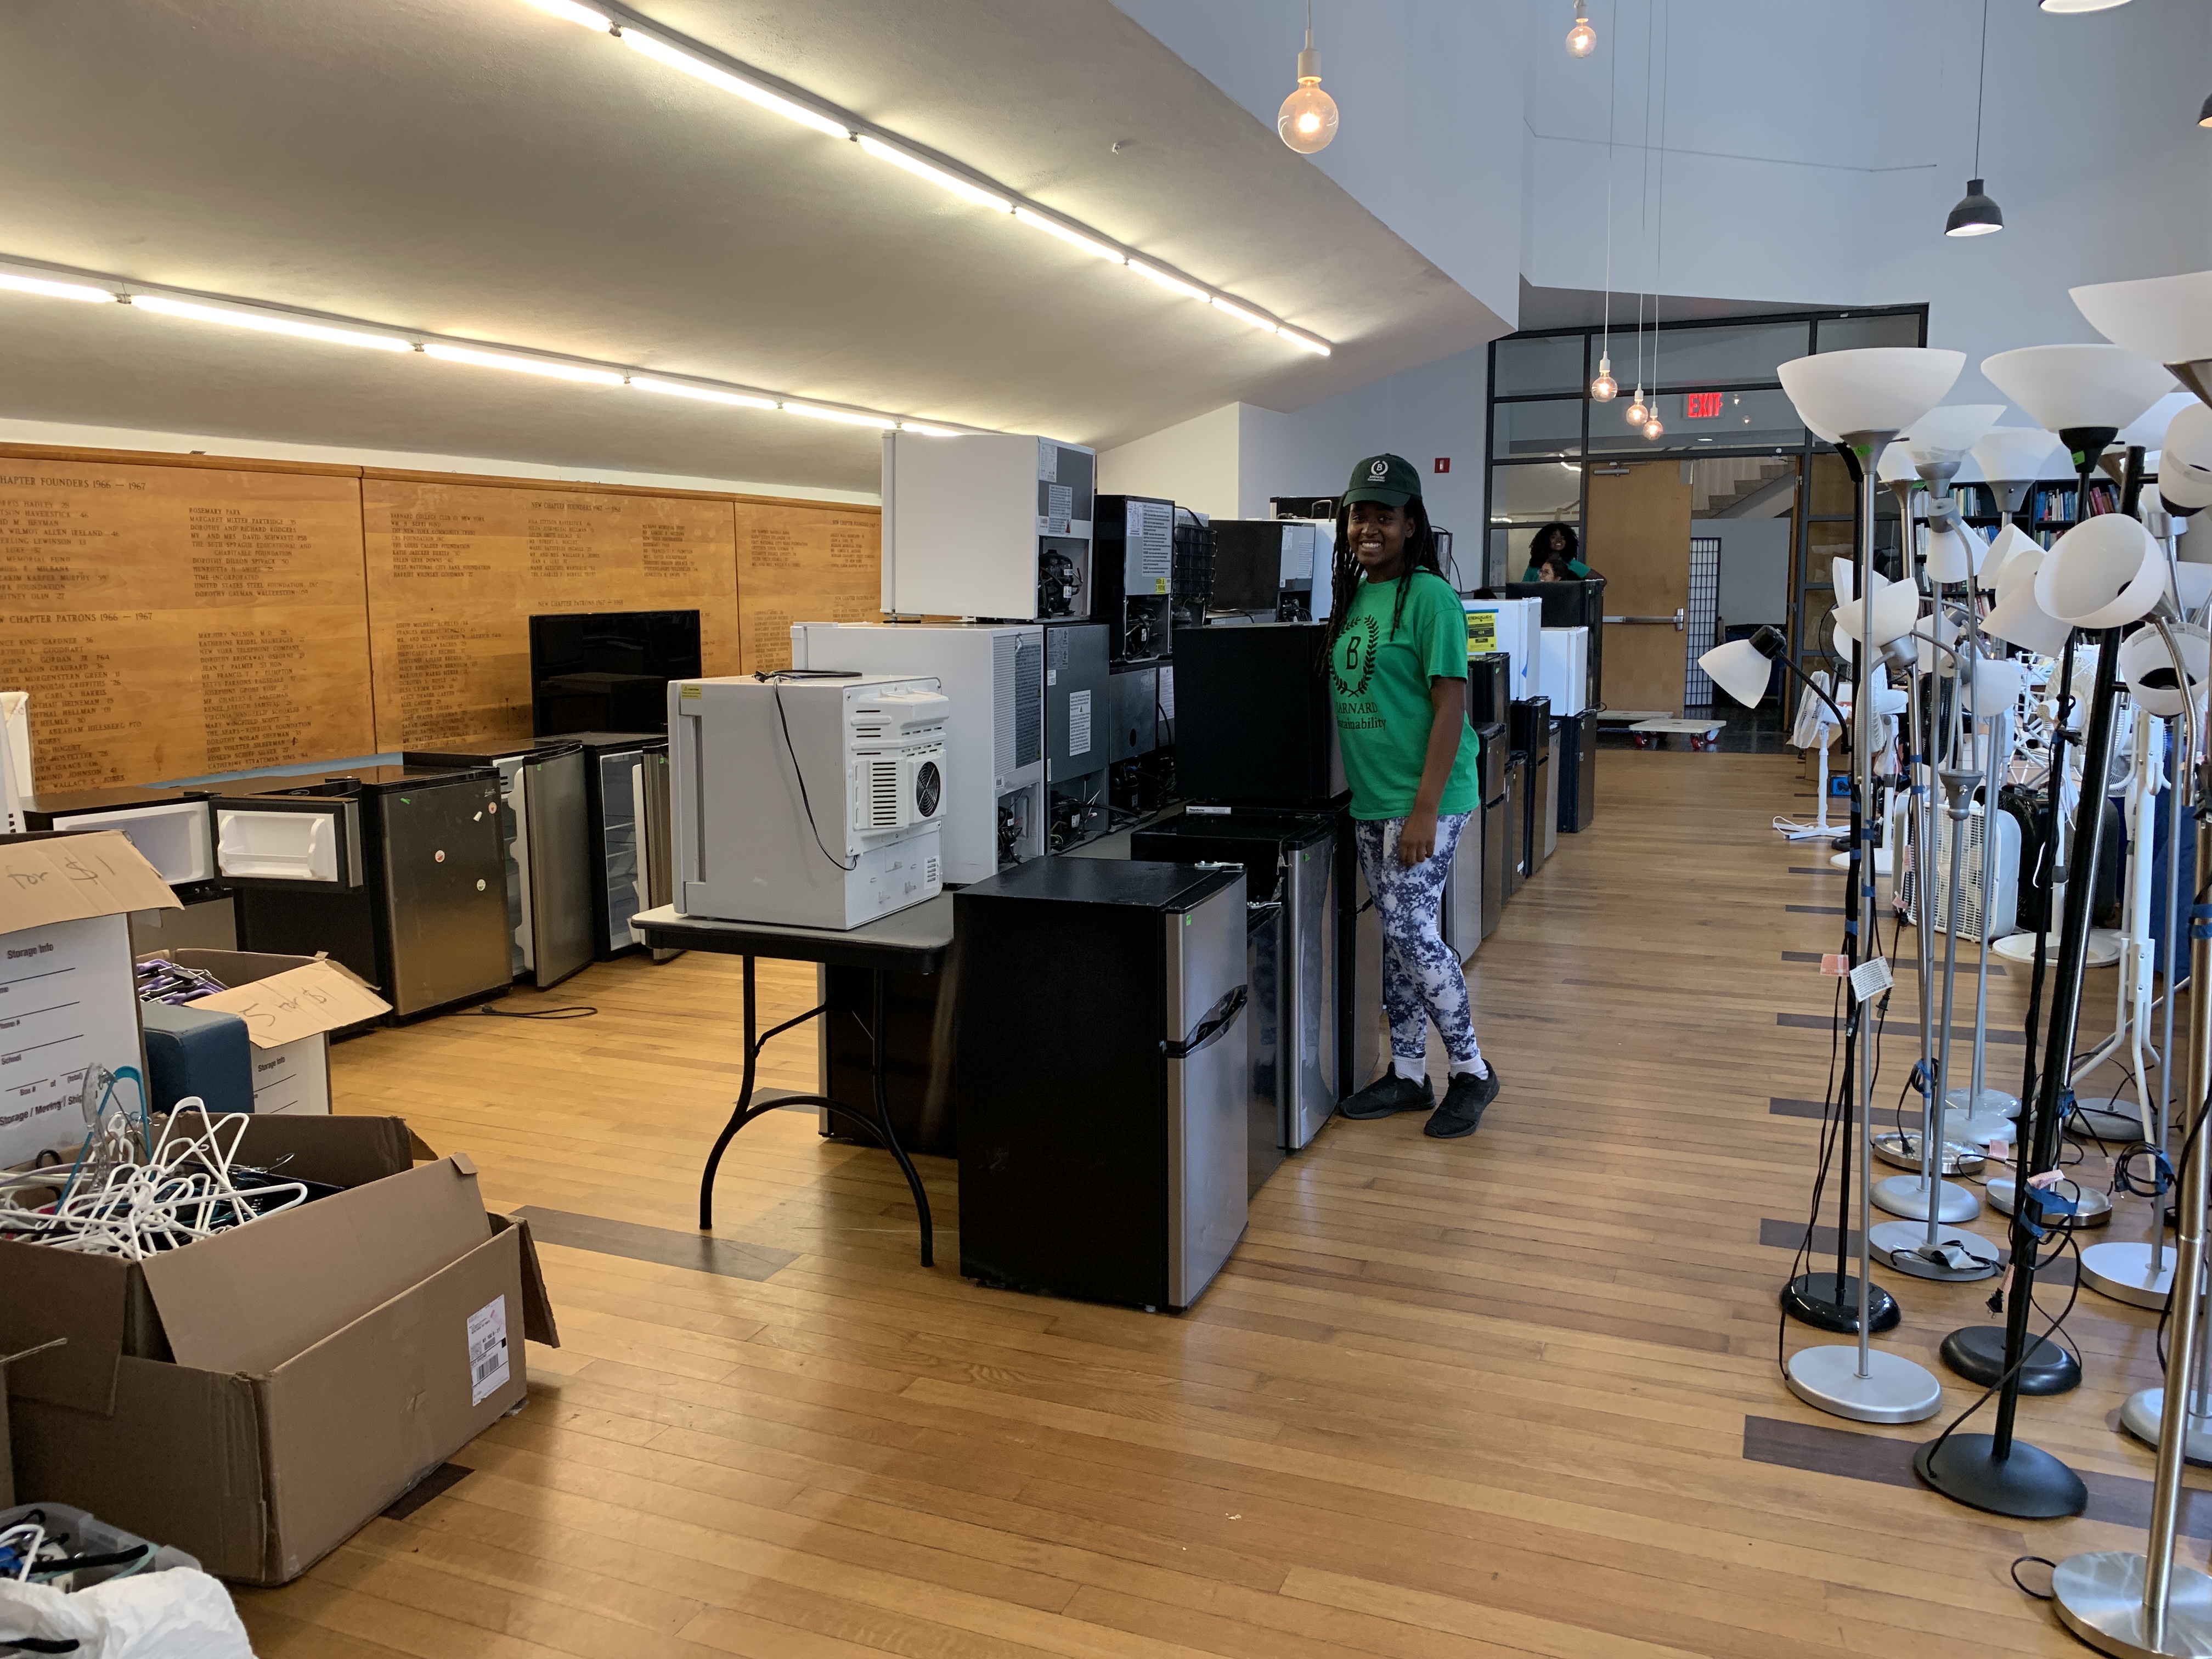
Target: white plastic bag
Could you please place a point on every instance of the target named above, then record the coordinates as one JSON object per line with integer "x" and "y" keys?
{"x": 177, "y": 1615}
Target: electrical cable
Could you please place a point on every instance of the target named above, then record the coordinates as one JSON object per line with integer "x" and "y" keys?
{"x": 773, "y": 682}
{"x": 572, "y": 1011}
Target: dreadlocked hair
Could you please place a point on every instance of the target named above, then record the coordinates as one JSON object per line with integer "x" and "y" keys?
{"x": 1344, "y": 580}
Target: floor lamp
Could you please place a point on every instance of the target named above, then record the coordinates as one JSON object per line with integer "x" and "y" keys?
{"x": 1866, "y": 397}
{"x": 2117, "y": 1601}
{"x": 2085, "y": 394}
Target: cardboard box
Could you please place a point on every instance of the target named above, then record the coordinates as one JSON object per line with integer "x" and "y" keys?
{"x": 256, "y": 1397}
{"x": 67, "y": 1001}
{"x": 290, "y": 1005}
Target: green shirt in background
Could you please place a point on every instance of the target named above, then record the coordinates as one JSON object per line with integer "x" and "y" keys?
{"x": 1379, "y": 679}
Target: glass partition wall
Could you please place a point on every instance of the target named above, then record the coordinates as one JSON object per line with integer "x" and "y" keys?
{"x": 1725, "y": 419}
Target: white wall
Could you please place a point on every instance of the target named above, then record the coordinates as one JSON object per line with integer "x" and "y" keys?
{"x": 1429, "y": 92}
{"x": 1193, "y": 464}
{"x": 1754, "y": 567}
{"x": 1809, "y": 153}
{"x": 72, "y": 436}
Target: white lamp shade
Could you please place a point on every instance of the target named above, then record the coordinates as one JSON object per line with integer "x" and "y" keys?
{"x": 1738, "y": 669}
{"x": 2148, "y": 428}
{"x": 1894, "y": 465}
{"x": 2063, "y": 386}
{"x": 2018, "y": 619}
{"x": 1843, "y": 573}
{"x": 1956, "y": 552}
{"x": 1876, "y": 389}
{"x": 1896, "y": 608}
{"x": 2147, "y": 666}
{"x": 1839, "y": 642}
{"x": 2012, "y": 453}
{"x": 2188, "y": 445}
{"x": 2192, "y": 584}
{"x": 1995, "y": 685}
{"x": 2105, "y": 572}
{"x": 2010, "y": 541}
{"x": 2165, "y": 319}
{"x": 2183, "y": 490}
{"x": 1946, "y": 433}
{"x": 1817, "y": 431}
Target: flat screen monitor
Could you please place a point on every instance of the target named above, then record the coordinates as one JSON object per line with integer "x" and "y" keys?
{"x": 609, "y": 670}
{"x": 1248, "y": 565}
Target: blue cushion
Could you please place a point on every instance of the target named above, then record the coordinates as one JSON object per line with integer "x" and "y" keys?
{"x": 196, "y": 1051}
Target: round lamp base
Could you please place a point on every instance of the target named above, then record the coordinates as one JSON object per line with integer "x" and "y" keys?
{"x": 2114, "y": 1128}
{"x": 2029, "y": 1484}
{"x": 2092, "y": 1208}
{"x": 2143, "y": 1416}
{"x": 1990, "y": 1102}
{"x": 1900, "y": 1149}
{"x": 2099, "y": 1596}
{"x": 1894, "y": 1389}
{"x": 1959, "y": 1258}
{"x": 1822, "y": 1301}
{"x": 2123, "y": 1272}
{"x": 1904, "y": 1195}
{"x": 1976, "y": 1353}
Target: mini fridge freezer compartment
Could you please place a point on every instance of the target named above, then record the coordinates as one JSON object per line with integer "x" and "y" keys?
{"x": 176, "y": 837}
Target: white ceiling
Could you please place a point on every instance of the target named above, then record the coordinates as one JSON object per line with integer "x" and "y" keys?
{"x": 477, "y": 168}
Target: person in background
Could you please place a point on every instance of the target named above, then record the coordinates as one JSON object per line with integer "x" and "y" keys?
{"x": 1556, "y": 556}
{"x": 1397, "y": 669}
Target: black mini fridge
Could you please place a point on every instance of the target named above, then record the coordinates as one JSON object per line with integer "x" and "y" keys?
{"x": 1497, "y": 839}
{"x": 396, "y": 870}
{"x": 1531, "y": 732}
{"x": 627, "y": 800}
{"x": 545, "y": 828}
{"x": 1104, "y": 1078}
{"x": 1577, "y": 762}
{"x": 1515, "y": 814}
{"x": 1254, "y": 727}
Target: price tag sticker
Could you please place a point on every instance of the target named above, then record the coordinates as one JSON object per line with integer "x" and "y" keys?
{"x": 1871, "y": 978}
{"x": 1835, "y": 965}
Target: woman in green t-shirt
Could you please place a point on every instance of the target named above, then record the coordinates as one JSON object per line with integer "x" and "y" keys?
{"x": 1397, "y": 670}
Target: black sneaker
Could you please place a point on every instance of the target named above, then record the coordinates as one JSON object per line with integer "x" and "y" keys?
{"x": 1390, "y": 1093}
{"x": 1465, "y": 1102}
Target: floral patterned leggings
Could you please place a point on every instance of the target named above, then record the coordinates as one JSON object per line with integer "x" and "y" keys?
{"x": 1422, "y": 980}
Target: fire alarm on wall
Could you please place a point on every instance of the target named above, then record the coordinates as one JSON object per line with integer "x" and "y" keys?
{"x": 1444, "y": 463}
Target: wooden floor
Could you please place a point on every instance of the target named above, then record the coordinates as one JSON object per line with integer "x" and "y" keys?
{"x": 1489, "y": 1396}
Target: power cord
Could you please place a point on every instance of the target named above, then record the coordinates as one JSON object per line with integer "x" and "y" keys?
{"x": 572, "y": 1011}
{"x": 775, "y": 683}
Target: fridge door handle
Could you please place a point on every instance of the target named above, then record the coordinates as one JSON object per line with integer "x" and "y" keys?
{"x": 1219, "y": 1018}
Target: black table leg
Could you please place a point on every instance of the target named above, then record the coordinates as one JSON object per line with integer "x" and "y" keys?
{"x": 744, "y": 1111}
{"x": 884, "y": 1114}
{"x": 740, "y": 1115}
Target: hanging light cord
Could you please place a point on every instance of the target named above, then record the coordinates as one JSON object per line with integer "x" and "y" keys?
{"x": 1643, "y": 205}
{"x": 1612, "y": 114}
{"x": 1659, "y": 260}
{"x": 1981, "y": 80}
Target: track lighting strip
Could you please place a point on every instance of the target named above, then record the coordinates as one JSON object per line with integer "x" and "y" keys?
{"x": 688, "y": 56}
{"x": 55, "y": 282}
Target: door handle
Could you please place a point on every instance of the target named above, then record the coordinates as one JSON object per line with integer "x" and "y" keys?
{"x": 1679, "y": 622}
{"x": 1219, "y": 1018}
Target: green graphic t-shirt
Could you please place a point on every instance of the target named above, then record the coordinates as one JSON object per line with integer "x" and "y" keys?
{"x": 1380, "y": 679}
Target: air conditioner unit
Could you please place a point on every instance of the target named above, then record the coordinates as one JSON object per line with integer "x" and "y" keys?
{"x": 2004, "y": 908}
{"x": 809, "y": 802}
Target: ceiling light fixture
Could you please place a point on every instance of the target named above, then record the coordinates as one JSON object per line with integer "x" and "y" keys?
{"x": 1652, "y": 428}
{"x": 545, "y": 366}
{"x": 1264, "y": 324}
{"x": 1582, "y": 40}
{"x": 717, "y": 70}
{"x": 1976, "y": 215}
{"x": 936, "y": 175}
{"x": 715, "y": 76}
{"x": 2082, "y": 5}
{"x": 39, "y": 285}
{"x": 1307, "y": 120}
{"x": 703, "y": 394}
{"x": 1069, "y": 234}
{"x": 269, "y": 323}
{"x": 850, "y": 417}
{"x": 348, "y": 331}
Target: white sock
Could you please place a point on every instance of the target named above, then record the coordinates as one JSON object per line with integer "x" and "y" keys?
{"x": 1411, "y": 1070}
{"x": 1476, "y": 1067}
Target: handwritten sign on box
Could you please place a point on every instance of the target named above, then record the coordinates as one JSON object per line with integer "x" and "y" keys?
{"x": 297, "y": 1003}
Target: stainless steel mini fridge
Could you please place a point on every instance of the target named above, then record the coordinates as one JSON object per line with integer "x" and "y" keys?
{"x": 1104, "y": 1077}
{"x": 544, "y": 827}
{"x": 627, "y": 796}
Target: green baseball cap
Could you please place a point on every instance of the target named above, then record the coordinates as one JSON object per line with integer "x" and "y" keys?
{"x": 1389, "y": 479}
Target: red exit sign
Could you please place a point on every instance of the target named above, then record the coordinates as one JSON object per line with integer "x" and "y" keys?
{"x": 1701, "y": 406}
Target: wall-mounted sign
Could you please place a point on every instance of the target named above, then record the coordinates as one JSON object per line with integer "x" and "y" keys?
{"x": 1701, "y": 406}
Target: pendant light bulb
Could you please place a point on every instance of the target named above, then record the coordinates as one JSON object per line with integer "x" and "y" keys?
{"x": 1605, "y": 389}
{"x": 1638, "y": 414}
{"x": 2204, "y": 115}
{"x": 1582, "y": 40}
{"x": 1307, "y": 120}
{"x": 1976, "y": 214}
{"x": 1652, "y": 429}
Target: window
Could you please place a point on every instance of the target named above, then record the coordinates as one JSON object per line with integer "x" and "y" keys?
{"x": 1538, "y": 362}
{"x": 1549, "y": 426}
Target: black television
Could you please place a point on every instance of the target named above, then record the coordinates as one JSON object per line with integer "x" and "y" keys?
{"x": 608, "y": 670}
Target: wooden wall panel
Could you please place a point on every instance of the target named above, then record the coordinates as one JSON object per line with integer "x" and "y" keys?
{"x": 797, "y": 562}
{"x": 456, "y": 571}
{"x": 171, "y": 621}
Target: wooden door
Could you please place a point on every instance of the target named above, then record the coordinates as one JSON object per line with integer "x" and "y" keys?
{"x": 1637, "y": 536}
